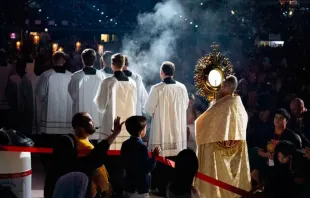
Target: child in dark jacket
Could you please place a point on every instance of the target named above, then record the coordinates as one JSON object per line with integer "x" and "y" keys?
{"x": 137, "y": 163}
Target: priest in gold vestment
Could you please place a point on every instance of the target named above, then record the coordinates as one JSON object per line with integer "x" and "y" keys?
{"x": 221, "y": 140}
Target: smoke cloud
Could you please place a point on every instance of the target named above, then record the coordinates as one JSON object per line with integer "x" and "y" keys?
{"x": 182, "y": 31}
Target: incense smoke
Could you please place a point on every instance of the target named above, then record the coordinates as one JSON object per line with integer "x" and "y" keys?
{"x": 181, "y": 31}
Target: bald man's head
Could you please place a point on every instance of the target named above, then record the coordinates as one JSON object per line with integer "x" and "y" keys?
{"x": 297, "y": 107}
{"x": 229, "y": 86}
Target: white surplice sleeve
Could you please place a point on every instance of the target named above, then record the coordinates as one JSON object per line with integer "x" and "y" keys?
{"x": 103, "y": 96}
{"x": 42, "y": 87}
{"x": 151, "y": 102}
{"x": 72, "y": 87}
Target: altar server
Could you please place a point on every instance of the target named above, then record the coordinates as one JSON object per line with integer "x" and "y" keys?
{"x": 167, "y": 104}
{"x": 52, "y": 90}
{"x": 83, "y": 88}
{"x": 105, "y": 61}
{"x": 117, "y": 96}
{"x": 141, "y": 91}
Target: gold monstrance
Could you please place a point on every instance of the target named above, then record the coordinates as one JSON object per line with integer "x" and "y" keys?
{"x": 210, "y": 72}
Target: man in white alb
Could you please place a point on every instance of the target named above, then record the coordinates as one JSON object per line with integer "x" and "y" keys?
{"x": 167, "y": 104}
{"x": 141, "y": 91}
{"x": 83, "y": 88}
{"x": 117, "y": 96}
{"x": 52, "y": 90}
{"x": 105, "y": 61}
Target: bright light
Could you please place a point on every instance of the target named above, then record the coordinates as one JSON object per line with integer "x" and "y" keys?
{"x": 180, "y": 16}
{"x": 61, "y": 49}
{"x": 18, "y": 43}
{"x": 232, "y": 12}
{"x": 100, "y": 49}
{"x": 40, "y": 10}
{"x": 111, "y": 19}
{"x": 115, "y": 23}
{"x": 98, "y": 9}
{"x": 105, "y": 37}
{"x": 290, "y": 13}
{"x": 191, "y": 23}
{"x": 99, "y": 21}
{"x": 196, "y": 26}
{"x": 36, "y": 39}
{"x": 185, "y": 19}
{"x": 94, "y": 6}
{"x": 78, "y": 46}
{"x": 215, "y": 78}
{"x": 201, "y": 3}
{"x": 102, "y": 12}
{"x": 47, "y": 17}
{"x": 55, "y": 47}
{"x": 46, "y": 30}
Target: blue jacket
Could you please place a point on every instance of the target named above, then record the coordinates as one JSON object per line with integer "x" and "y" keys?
{"x": 137, "y": 164}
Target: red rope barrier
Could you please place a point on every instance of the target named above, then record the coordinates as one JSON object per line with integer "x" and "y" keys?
{"x": 163, "y": 160}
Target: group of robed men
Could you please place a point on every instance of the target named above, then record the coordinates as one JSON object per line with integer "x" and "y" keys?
{"x": 105, "y": 96}
{"x": 221, "y": 130}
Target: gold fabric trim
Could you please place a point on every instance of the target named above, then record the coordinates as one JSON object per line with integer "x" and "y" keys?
{"x": 227, "y": 148}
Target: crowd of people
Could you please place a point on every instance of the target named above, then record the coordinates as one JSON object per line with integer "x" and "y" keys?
{"x": 44, "y": 96}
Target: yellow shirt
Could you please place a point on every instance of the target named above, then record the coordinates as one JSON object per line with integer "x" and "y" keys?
{"x": 100, "y": 176}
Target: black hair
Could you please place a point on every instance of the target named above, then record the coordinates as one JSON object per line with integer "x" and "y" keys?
{"x": 186, "y": 167}
{"x": 118, "y": 60}
{"x": 79, "y": 120}
{"x": 286, "y": 148}
{"x": 284, "y": 113}
{"x": 135, "y": 124}
{"x": 107, "y": 57}
{"x": 89, "y": 57}
{"x": 168, "y": 68}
